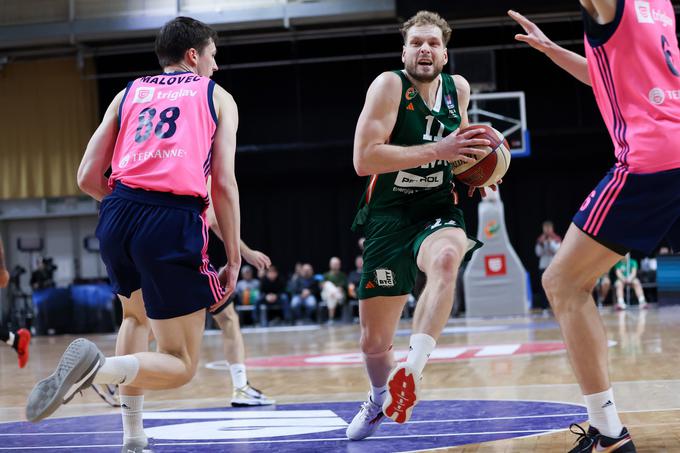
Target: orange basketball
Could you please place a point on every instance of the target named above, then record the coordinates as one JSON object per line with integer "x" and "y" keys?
{"x": 491, "y": 168}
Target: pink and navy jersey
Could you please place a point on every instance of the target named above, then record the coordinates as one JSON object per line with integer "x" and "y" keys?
{"x": 167, "y": 124}
{"x": 634, "y": 66}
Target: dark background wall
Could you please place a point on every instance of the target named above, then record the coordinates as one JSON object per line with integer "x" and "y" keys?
{"x": 294, "y": 165}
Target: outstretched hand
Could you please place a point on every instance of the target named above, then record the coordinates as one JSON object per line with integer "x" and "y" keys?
{"x": 534, "y": 35}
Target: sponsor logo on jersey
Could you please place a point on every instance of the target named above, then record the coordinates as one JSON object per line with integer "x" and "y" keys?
{"x": 657, "y": 96}
{"x": 648, "y": 15}
{"x": 406, "y": 179}
{"x": 143, "y": 95}
{"x": 384, "y": 278}
{"x": 174, "y": 95}
{"x": 410, "y": 106}
{"x": 494, "y": 265}
{"x": 369, "y": 285}
{"x": 176, "y": 153}
{"x": 643, "y": 12}
{"x": 411, "y": 93}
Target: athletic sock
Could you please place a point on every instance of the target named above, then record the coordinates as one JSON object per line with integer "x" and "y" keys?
{"x": 378, "y": 394}
{"x": 421, "y": 346}
{"x": 117, "y": 370}
{"x": 239, "y": 379}
{"x": 133, "y": 425}
{"x": 602, "y": 413}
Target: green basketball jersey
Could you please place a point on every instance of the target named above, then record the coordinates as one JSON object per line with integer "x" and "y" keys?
{"x": 416, "y": 124}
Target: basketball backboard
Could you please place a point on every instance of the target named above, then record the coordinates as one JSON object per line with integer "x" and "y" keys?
{"x": 506, "y": 112}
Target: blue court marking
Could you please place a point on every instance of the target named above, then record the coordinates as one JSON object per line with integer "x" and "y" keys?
{"x": 297, "y": 427}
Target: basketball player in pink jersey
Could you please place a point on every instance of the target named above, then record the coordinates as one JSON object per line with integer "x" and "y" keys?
{"x": 163, "y": 136}
{"x": 632, "y": 62}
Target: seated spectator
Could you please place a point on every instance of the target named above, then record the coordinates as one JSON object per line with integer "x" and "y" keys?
{"x": 354, "y": 278}
{"x": 303, "y": 290}
{"x": 602, "y": 288}
{"x": 333, "y": 287}
{"x": 626, "y": 275}
{"x": 273, "y": 294}
{"x": 247, "y": 290}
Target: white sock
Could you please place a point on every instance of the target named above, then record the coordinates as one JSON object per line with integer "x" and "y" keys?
{"x": 621, "y": 302}
{"x": 118, "y": 370}
{"x": 238, "y": 375}
{"x": 421, "y": 346}
{"x": 378, "y": 394}
{"x": 642, "y": 300}
{"x": 10, "y": 340}
{"x": 133, "y": 426}
{"x": 602, "y": 413}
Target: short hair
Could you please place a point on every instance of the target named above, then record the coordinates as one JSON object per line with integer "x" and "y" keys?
{"x": 179, "y": 35}
{"x": 427, "y": 18}
{"x": 548, "y": 223}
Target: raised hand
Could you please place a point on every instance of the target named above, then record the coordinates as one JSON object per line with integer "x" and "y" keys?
{"x": 534, "y": 35}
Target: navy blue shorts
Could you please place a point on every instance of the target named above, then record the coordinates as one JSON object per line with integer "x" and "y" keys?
{"x": 629, "y": 211}
{"x": 158, "y": 242}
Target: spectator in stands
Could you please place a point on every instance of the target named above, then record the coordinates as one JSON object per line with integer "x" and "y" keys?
{"x": 248, "y": 288}
{"x": 304, "y": 292}
{"x": 602, "y": 288}
{"x": 626, "y": 275}
{"x": 355, "y": 277}
{"x": 43, "y": 276}
{"x": 273, "y": 294}
{"x": 546, "y": 248}
{"x": 334, "y": 287}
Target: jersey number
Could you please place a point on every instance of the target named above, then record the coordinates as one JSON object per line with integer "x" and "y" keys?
{"x": 428, "y": 130}
{"x": 145, "y": 125}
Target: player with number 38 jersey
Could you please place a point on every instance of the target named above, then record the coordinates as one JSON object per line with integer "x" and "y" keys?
{"x": 167, "y": 123}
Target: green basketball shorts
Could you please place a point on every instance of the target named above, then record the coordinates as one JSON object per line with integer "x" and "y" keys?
{"x": 391, "y": 249}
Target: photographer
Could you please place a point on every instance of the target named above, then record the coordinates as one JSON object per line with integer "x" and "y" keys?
{"x": 43, "y": 276}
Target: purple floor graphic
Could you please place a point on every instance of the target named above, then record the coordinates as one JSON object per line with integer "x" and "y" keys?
{"x": 297, "y": 428}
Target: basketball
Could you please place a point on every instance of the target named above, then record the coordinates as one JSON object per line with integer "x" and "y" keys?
{"x": 491, "y": 168}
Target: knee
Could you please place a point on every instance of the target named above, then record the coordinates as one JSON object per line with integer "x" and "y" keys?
{"x": 190, "y": 367}
{"x": 446, "y": 261}
{"x": 137, "y": 319}
{"x": 560, "y": 286}
{"x": 373, "y": 343}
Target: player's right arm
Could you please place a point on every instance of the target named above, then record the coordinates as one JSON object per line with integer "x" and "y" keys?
{"x": 573, "y": 63}
{"x": 224, "y": 189}
{"x": 99, "y": 152}
{"x": 372, "y": 154}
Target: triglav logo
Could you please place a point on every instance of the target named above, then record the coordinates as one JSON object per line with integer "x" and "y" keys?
{"x": 124, "y": 161}
{"x": 643, "y": 12}
{"x": 657, "y": 96}
{"x": 143, "y": 95}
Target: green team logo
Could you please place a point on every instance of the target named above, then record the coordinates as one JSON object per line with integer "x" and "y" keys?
{"x": 411, "y": 93}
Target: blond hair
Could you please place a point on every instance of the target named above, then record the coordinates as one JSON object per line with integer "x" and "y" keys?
{"x": 427, "y": 18}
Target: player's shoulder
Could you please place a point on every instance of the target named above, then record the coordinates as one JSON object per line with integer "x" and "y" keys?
{"x": 222, "y": 94}
{"x": 461, "y": 83}
{"x": 387, "y": 81}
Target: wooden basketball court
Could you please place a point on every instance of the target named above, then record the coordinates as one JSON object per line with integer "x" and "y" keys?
{"x": 506, "y": 378}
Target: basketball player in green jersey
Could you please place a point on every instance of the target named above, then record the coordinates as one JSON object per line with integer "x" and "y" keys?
{"x": 406, "y": 138}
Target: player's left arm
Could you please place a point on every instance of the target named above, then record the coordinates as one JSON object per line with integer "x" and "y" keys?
{"x": 463, "y": 91}
{"x": 97, "y": 158}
